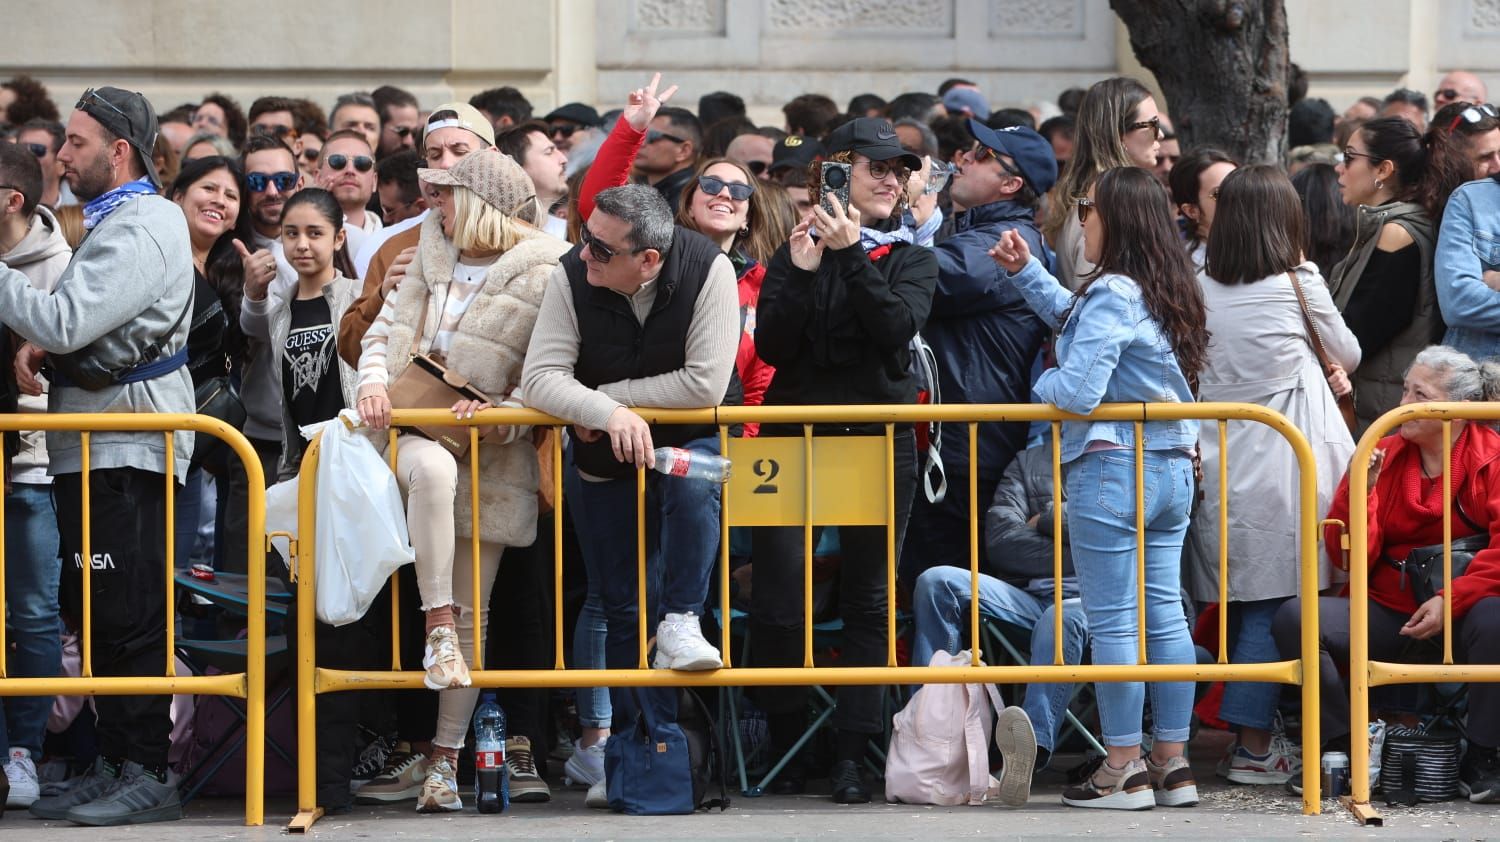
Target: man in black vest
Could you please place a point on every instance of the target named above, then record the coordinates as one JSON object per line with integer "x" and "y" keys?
{"x": 643, "y": 313}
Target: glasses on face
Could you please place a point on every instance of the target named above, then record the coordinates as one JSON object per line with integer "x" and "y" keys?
{"x": 879, "y": 170}
{"x": 363, "y": 163}
{"x": 259, "y": 182}
{"x": 1350, "y": 155}
{"x": 757, "y": 168}
{"x": 310, "y": 155}
{"x": 653, "y": 136}
{"x": 1214, "y": 194}
{"x": 566, "y": 130}
{"x": 40, "y": 150}
{"x": 1085, "y": 205}
{"x": 1445, "y": 93}
{"x": 601, "y": 252}
{"x": 91, "y": 96}
{"x": 277, "y": 131}
{"x": 401, "y": 132}
{"x": 1154, "y": 124}
{"x": 713, "y": 185}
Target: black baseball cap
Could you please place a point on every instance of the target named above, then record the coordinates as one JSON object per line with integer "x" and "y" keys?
{"x": 1031, "y": 152}
{"x": 795, "y": 152}
{"x": 128, "y": 115}
{"x": 575, "y": 112}
{"x": 873, "y": 137}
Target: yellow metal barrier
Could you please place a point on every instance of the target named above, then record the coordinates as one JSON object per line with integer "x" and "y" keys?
{"x": 782, "y": 486}
{"x": 249, "y": 685}
{"x": 1363, "y": 672}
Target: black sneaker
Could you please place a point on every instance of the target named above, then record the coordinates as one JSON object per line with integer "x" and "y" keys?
{"x": 848, "y": 787}
{"x": 371, "y": 760}
{"x": 136, "y": 798}
{"x": 102, "y": 776}
{"x": 1479, "y": 774}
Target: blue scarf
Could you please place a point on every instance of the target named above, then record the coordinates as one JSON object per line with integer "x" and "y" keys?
{"x": 101, "y": 207}
{"x": 907, "y": 233}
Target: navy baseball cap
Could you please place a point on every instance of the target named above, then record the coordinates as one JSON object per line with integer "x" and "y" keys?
{"x": 873, "y": 137}
{"x": 795, "y": 152}
{"x": 1031, "y": 152}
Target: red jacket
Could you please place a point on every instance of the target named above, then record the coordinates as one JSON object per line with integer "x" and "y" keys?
{"x": 1395, "y": 530}
{"x": 611, "y": 166}
{"x": 755, "y": 373}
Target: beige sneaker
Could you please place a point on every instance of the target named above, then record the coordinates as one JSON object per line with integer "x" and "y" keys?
{"x": 399, "y": 779}
{"x": 444, "y": 662}
{"x": 440, "y": 790}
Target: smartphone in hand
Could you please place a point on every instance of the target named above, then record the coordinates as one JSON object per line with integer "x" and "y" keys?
{"x": 835, "y": 182}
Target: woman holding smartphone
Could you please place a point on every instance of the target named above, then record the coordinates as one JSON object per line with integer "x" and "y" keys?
{"x": 1134, "y": 332}
{"x": 839, "y": 304}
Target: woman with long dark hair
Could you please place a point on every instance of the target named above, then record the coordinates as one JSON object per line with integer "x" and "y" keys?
{"x": 1399, "y": 180}
{"x": 1328, "y": 223}
{"x": 1118, "y": 125}
{"x": 1194, "y": 182}
{"x": 1133, "y": 332}
{"x": 1262, "y": 353}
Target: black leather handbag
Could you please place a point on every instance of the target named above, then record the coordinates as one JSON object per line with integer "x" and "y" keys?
{"x": 1423, "y": 566}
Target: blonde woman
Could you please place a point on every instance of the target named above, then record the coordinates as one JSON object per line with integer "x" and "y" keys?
{"x": 470, "y": 299}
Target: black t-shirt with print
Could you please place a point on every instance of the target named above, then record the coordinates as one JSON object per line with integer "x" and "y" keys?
{"x": 309, "y": 369}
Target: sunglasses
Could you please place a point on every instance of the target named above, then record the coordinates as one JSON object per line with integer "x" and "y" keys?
{"x": 566, "y": 130}
{"x": 277, "y": 131}
{"x": 401, "y": 132}
{"x": 259, "y": 182}
{"x": 982, "y": 153}
{"x": 1474, "y": 114}
{"x": 653, "y": 136}
{"x": 1154, "y": 124}
{"x": 1445, "y": 93}
{"x": 38, "y": 149}
{"x": 363, "y": 163}
{"x": 311, "y": 155}
{"x": 1085, "y": 205}
{"x": 1350, "y": 155}
{"x": 713, "y": 186}
{"x": 601, "y": 252}
{"x": 756, "y": 167}
{"x": 91, "y": 96}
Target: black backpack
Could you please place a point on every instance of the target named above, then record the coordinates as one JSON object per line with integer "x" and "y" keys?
{"x": 705, "y": 754}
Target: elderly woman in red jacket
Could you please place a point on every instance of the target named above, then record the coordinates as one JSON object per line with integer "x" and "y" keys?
{"x": 1406, "y": 512}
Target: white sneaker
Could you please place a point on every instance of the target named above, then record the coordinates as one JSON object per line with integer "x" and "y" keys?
{"x": 680, "y": 645}
{"x": 586, "y": 765}
{"x": 598, "y": 796}
{"x": 440, "y": 790}
{"x": 24, "y": 786}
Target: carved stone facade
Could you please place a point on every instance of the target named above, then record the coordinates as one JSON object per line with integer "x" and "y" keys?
{"x": 1019, "y": 51}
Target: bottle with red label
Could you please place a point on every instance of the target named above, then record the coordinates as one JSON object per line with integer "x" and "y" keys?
{"x": 491, "y": 780}
{"x": 693, "y": 464}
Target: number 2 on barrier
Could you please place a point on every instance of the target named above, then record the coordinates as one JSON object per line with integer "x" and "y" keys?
{"x": 849, "y": 481}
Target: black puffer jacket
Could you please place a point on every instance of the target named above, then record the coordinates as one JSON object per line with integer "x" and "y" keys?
{"x": 840, "y": 335}
{"x": 1016, "y": 551}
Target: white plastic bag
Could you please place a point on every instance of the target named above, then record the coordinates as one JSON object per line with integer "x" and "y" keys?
{"x": 281, "y": 515}
{"x": 361, "y": 533}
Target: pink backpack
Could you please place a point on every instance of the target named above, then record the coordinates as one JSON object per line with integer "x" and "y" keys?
{"x": 939, "y": 750}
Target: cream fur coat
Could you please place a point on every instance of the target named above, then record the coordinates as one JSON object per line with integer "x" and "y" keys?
{"x": 489, "y": 348}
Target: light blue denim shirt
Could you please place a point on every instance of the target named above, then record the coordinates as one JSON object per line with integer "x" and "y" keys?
{"x": 1469, "y": 244}
{"x": 1110, "y": 351}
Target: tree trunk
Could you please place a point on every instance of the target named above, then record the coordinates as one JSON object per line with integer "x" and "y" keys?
{"x": 1223, "y": 66}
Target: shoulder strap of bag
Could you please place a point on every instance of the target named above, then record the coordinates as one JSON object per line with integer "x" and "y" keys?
{"x": 416, "y": 341}
{"x": 722, "y": 802}
{"x": 1314, "y": 336}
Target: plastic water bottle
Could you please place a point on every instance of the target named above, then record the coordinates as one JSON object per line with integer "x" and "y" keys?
{"x": 693, "y": 464}
{"x": 491, "y": 779}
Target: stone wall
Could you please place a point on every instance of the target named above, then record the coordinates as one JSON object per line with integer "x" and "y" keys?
{"x": 1019, "y": 51}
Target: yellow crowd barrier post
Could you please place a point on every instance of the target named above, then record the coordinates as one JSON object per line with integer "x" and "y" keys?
{"x": 557, "y": 547}
{"x": 973, "y": 543}
{"x": 308, "y": 810}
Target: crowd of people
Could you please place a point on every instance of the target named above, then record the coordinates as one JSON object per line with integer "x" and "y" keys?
{"x": 278, "y": 266}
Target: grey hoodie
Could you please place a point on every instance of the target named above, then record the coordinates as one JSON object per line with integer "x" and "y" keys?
{"x": 125, "y": 286}
{"x": 41, "y": 256}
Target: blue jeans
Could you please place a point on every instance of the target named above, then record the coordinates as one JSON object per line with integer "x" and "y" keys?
{"x": 1101, "y": 524}
{"x": 682, "y": 525}
{"x": 32, "y": 570}
{"x": 588, "y": 632}
{"x": 1252, "y": 704}
{"x": 940, "y": 607}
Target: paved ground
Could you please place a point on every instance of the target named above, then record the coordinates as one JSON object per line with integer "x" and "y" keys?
{"x": 1226, "y": 812}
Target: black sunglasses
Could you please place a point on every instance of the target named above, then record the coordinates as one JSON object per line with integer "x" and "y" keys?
{"x": 600, "y": 251}
{"x": 92, "y": 96}
{"x": 1445, "y": 93}
{"x": 756, "y": 167}
{"x": 653, "y": 136}
{"x": 402, "y": 131}
{"x": 38, "y": 149}
{"x": 565, "y": 130}
{"x": 1085, "y": 204}
{"x": 363, "y": 163}
{"x": 311, "y": 154}
{"x": 259, "y": 182}
{"x": 713, "y": 186}
{"x": 277, "y": 131}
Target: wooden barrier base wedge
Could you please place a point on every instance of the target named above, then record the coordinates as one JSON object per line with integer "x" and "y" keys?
{"x": 304, "y": 820}
{"x": 1364, "y": 813}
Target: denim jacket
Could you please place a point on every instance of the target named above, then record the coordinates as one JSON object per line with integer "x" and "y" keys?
{"x": 1109, "y": 351}
{"x": 1468, "y": 245}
